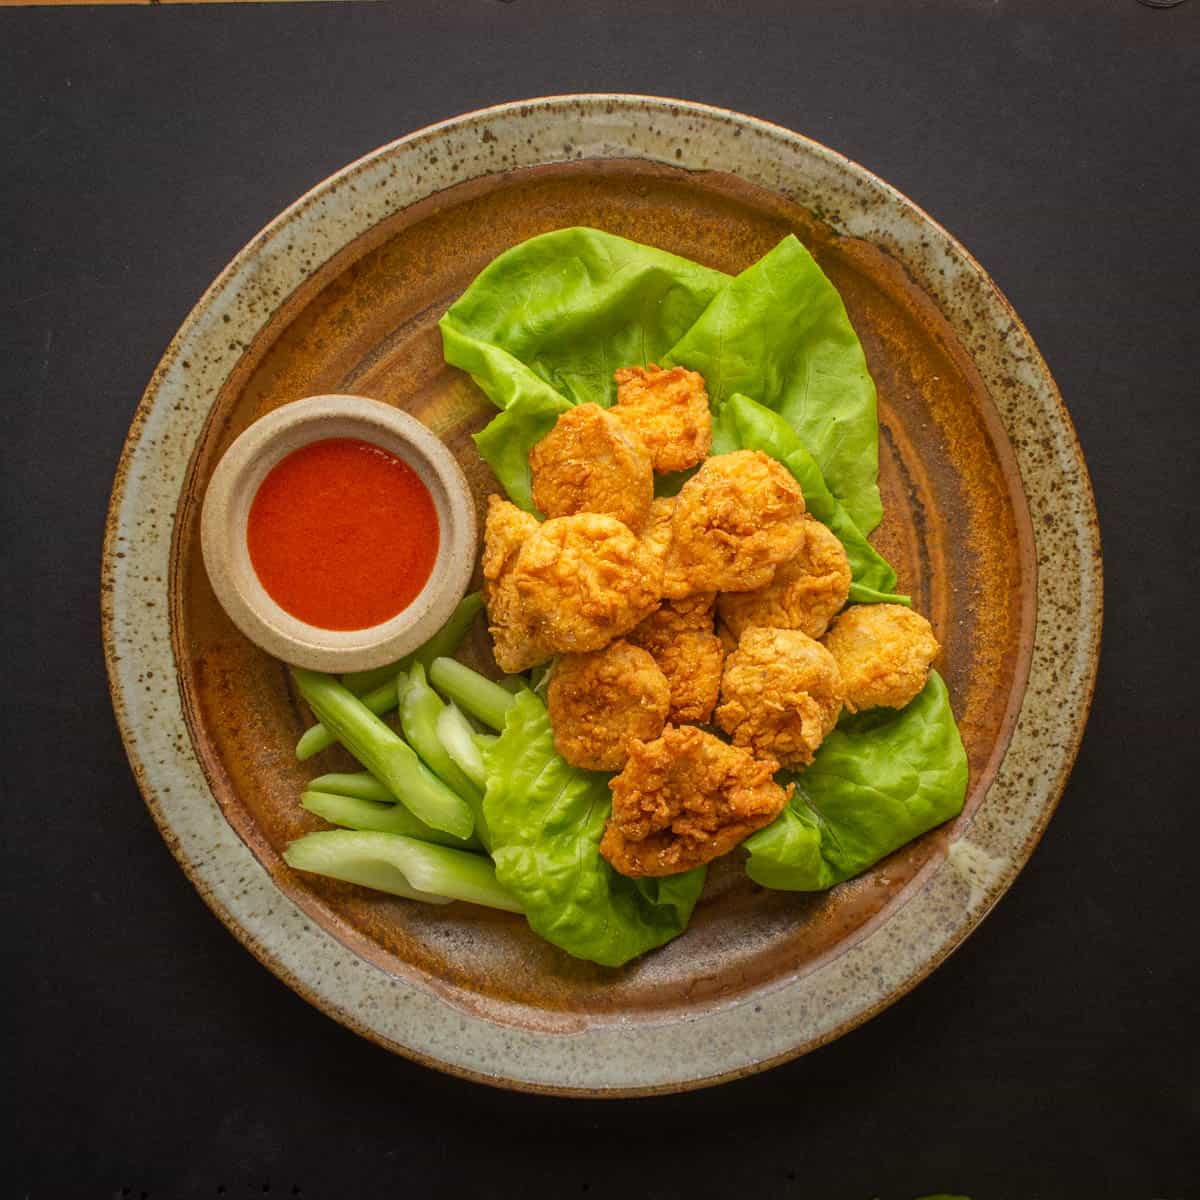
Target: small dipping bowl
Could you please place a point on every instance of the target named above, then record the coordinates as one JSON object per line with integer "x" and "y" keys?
{"x": 226, "y": 512}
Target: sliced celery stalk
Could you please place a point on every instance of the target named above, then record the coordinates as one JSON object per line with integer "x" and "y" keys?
{"x": 478, "y": 695}
{"x": 362, "y": 785}
{"x": 402, "y": 866}
{"x": 317, "y": 738}
{"x": 353, "y": 813}
{"x": 456, "y": 735}
{"x": 384, "y": 754}
{"x": 420, "y": 710}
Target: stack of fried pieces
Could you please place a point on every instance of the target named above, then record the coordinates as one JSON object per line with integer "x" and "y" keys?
{"x": 718, "y": 606}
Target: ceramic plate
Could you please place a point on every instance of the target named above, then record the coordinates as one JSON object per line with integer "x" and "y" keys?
{"x": 990, "y": 522}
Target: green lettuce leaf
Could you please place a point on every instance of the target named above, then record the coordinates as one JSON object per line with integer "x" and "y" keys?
{"x": 779, "y": 332}
{"x": 504, "y": 444}
{"x": 741, "y": 424}
{"x": 570, "y": 307}
{"x": 879, "y": 780}
{"x": 546, "y": 819}
{"x": 546, "y": 323}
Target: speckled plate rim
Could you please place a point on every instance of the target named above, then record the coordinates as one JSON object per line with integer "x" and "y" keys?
{"x": 614, "y": 1058}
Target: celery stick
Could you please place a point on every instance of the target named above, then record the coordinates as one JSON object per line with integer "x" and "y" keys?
{"x": 386, "y": 755}
{"x": 456, "y": 735}
{"x": 353, "y": 813}
{"x": 322, "y": 855}
{"x": 363, "y": 682}
{"x": 445, "y": 642}
{"x": 401, "y": 865}
{"x": 362, "y": 786}
{"x": 317, "y": 738}
{"x": 479, "y": 696}
{"x": 420, "y": 710}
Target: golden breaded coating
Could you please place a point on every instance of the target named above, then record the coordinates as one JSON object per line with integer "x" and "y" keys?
{"x": 656, "y": 531}
{"x": 728, "y": 641}
{"x": 669, "y": 411}
{"x": 679, "y": 634}
{"x": 733, "y": 523}
{"x": 781, "y": 695}
{"x": 506, "y": 530}
{"x": 884, "y": 652}
{"x": 599, "y": 701}
{"x": 590, "y": 462}
{"x": 685, "y": 799}
{"x": 808, "y": 590}
{"x": 581, "y": 582}
{"x": 693, "y": 614}
{"x": 692, "y": 663}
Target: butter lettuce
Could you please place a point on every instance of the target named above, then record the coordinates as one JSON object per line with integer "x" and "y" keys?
{"x": 543, "y": 328}
{"x": 546, "y": 819}
{"x": 546, "y": 323}
{"x": 566, "y": 309}
{"x": 741, "y": 424}
{"x": 779, "y": 332}
{"x": 880, "y": 779}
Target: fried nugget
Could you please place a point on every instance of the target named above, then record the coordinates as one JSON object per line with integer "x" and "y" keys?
{"x": 669, "y": 411}
{"x": 581, "y": 582}
{"x": 685, "y": 799}
{"x": 680, "y": 636}
{"x": 599, "y": 701}
{"x": 656, "y": 531}
{"x": 884, "y": 652}
{"x": 732, "y": 524}
{"x": 728, "y": 641}
{"x": 591, "y": 462}
{"x": 692, "y": 663}
{"x": 506, "y": 530}
{"x": 692, "y": 614}
{"x": 808, "y": 590}
{"x": 781, "y": 695}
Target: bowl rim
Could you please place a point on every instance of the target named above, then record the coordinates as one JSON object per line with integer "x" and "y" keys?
{"x": 230, "y": 493}
{"x": 978, "y": 866}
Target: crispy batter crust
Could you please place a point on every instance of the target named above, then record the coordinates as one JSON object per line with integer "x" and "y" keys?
{"x": 680, "y": 636}
{"x": 601, "y": 700}
{"x": 692, "y": 664}
{"x": 582, "y": 581}
{"x": 591, "y": 462}
{"x": 506, "y": 530}
{"x": 808, "y": 590}
{"x": 656, "y": 530}
{"x": 781, "y": 695}
{"x": 884, "y": 652}
{"x": 669, "y": 412}
{"x": 732, "y": 524}
{"x": 685, "y": 799}
{"x": 694, "y": 614}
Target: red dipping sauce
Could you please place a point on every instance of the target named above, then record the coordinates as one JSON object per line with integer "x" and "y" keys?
{"x": 342, "y": 534}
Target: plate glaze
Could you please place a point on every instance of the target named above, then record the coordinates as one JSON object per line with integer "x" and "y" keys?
{"x": 989, "y": 521}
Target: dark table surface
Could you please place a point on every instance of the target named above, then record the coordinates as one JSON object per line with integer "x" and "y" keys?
{"x": 1053, "y": 1056}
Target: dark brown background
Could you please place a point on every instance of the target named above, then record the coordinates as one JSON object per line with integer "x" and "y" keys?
{"x": 147, "y": 1054}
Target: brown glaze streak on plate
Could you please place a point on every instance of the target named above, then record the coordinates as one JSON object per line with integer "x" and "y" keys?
{"x": 956, "y": 527}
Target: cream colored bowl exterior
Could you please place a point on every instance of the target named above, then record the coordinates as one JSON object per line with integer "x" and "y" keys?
{"x": 227, "y": 557}
{"x": 605, "y": 1058}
